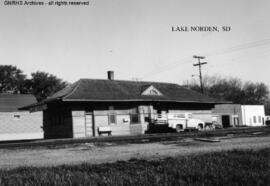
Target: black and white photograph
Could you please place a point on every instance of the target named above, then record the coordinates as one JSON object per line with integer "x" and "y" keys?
{"x": 135, "y": 92}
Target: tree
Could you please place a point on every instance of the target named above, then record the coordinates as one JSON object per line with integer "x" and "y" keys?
{"x": 233, "y": 89}
{"x": 267, "y": 107}
{"x": 255, "y": 93}
{"x": 43, "y": 84}
{"x": 11, "y": 79}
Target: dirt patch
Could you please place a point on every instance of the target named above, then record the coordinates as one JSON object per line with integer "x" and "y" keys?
{"x": 111, "y": 152}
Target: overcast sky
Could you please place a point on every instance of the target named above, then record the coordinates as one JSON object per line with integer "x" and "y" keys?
{"x": 135, "y": 39}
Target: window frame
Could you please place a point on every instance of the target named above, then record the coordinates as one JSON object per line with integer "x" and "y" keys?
{"x": 254, "y": 119}
{"x": 259, "y": 119}
{"x": 111, "y": 116}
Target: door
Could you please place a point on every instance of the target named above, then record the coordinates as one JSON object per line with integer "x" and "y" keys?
{"x": 225, "y": 121}
{"x": 236, "y": 120}
{"x": 89, "y": 132}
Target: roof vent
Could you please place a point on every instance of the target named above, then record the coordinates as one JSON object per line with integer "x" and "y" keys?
{"x": 110, "y": 75}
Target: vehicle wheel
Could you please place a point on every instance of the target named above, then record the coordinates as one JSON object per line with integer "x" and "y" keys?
{"x": 179, "y": 128}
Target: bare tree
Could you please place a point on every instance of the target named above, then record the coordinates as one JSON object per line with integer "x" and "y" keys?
{"x": 233, "y": 89}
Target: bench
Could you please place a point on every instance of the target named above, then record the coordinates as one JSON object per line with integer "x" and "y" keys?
{"x": 104, "y": 130}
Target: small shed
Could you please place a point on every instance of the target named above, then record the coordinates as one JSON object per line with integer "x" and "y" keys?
{"x": 16, "y": 124}
{"x": 230, "y": 115}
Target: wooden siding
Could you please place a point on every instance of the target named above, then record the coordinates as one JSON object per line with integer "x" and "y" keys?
{"x": 119, "y": 128}
{"x": 89, "y": 125}
{"x": 84, "y": 118}
{"x": 101, "y": 120}
{"x": 83, "y": 123}
{"x": 136, "y": 129}
{"x": 78, "y": 121}
{"x": 57, "y": 123}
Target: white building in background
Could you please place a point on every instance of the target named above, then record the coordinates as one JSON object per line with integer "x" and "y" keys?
{"x": 253, "y": 115}
{"x": 16, "y": 124}
{"x": 230, "y": 115}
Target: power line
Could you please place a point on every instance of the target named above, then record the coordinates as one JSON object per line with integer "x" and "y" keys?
{"x": 200, "y": 69}
{"x": 166, "y": 67}
{"x": 264, "y": 53}
{"x": 239, "y": 47}
{"x": 214, "y": 53}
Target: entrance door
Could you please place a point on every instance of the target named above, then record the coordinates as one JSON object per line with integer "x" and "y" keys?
{"x": 89, "y": 132}
{"x": 225, "y": 121}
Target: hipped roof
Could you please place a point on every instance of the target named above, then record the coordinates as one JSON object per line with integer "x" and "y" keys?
{"x": 118, "y": 90}
{"x": 97, "y": 90}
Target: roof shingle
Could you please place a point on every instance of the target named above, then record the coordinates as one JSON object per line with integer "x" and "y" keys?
{"x": 119, "y": 90}
{"x": 12, "y": 102}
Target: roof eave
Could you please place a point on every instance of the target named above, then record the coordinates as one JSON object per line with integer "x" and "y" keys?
{"x": 27, "y": 107}
{"x": 140, "y": 100}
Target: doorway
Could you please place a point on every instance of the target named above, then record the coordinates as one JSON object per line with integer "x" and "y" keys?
{"x": 225, "y": 121}
{"x": 89, "y": 124}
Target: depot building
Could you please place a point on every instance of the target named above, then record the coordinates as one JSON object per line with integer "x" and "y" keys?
{"x": 126, "y": 107}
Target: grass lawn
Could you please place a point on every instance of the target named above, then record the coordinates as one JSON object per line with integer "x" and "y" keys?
{"x": 237, "y": 167}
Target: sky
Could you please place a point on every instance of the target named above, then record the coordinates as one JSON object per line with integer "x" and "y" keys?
{"x": 134, "y": 38}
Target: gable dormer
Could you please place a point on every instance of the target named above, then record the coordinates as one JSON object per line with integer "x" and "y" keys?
{"x": 151, "y": 91}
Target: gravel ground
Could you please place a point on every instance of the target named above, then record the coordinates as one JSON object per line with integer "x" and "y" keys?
{"x": 109, "y": 152}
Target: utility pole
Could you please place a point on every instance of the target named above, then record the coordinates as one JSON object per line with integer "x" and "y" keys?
{"x": 200, "y": 69}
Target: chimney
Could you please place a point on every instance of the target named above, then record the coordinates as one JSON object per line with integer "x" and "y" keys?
{"x": 110, "y": 75}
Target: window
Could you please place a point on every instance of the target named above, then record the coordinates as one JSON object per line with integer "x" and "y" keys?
{"x": 16, "y": 117}
{"x": 179, "y": 116}
{"x": 112, "y": 115}
{"x": 147, "y": 119}
{"x": 259, "y": 119}
{"x": 134, "y": 118}
{"x": 112, "y": 118}
{"x": 254, "y": 119}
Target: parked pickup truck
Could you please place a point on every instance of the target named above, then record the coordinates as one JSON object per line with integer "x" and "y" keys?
{"x": 180, "y": 121}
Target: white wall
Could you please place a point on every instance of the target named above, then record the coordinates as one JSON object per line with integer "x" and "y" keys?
{"x": 78, "y": 124}
{"x": 21, "y": 125}
{"x": 251, "y": 115}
